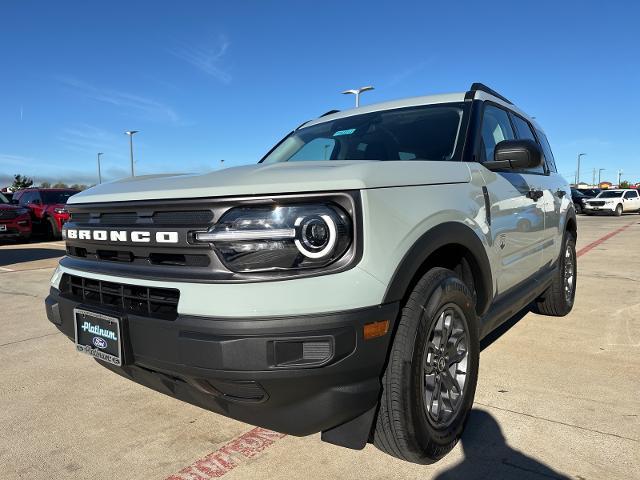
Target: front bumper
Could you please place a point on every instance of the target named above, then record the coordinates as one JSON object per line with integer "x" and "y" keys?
{"x": 18, "y": 227}
{"x": 599, "y": 209}
{"x": 273, "y": 372}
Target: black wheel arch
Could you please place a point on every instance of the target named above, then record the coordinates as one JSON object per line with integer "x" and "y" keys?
{"x": 571, "y": 223}
{"x": 449, "y": 239}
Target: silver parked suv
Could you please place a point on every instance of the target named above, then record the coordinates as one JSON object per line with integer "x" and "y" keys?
{"x": 341, "y": 285}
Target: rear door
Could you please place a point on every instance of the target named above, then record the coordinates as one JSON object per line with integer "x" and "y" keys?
{"x": 517, "y": 220}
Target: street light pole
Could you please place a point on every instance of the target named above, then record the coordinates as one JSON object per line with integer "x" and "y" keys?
{"x": 600, "y": 175}
{"x": 357, "y": 92}
{"x": 131, "y": 133}
{"x": 578, "y": 171}
{"x": 99, "y": 173}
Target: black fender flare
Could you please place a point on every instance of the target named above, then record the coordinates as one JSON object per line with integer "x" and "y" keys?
{"x": 571, "y": 216}
{"x": 448, "y": 233}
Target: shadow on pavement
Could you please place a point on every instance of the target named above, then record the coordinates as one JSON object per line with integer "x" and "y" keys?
{"x": 11, "y": 256}
{"x": 504, "y": 328}
{"x": 488, "y": 456}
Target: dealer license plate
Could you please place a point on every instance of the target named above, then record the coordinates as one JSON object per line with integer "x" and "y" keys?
{"x": 98, "y": 335}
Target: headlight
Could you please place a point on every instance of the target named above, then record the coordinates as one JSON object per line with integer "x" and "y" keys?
{"x": 291, "y": 237}
{"x": 61, "y": 210}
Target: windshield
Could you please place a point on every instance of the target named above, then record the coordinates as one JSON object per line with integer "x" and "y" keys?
{"x": 415, "y": 133}
{"x": 3, "y": 199}
{"x": 61, "y": 196}
{"x": 610, "y": 194}
{"x": 589, "y": 191}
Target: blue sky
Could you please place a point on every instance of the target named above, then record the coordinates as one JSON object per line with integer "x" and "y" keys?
{"x": 205, "y": 81}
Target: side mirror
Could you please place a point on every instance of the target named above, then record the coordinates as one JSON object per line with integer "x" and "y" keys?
{"x": 515, "y": 154}
{"x": 35, "y": 202}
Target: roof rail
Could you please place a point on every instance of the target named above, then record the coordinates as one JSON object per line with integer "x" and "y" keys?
{"x": 330, "y": 112}
{"x": 481, "y": 87}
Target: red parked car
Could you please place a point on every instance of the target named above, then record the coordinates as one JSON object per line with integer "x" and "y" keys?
{"x": 15, "y": 222}
{"x": 48, "y": 208}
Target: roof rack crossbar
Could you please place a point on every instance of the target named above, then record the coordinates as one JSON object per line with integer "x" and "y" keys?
{"x": 481, "y": 87}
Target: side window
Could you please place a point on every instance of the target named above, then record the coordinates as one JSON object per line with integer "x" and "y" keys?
{"x": 546, "y": 148}
{"x": 496, "y": 127}
{"x": 630, "y": 194}
{"x": 316, "y": 149}
{"x": 525, "y": 133}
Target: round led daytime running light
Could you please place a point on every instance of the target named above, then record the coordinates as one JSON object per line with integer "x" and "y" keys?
{"x": 333, "y": 236}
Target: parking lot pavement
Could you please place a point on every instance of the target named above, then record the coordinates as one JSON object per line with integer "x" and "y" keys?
{"x": 29, "y": 256}
{"x": 556, "y": 398}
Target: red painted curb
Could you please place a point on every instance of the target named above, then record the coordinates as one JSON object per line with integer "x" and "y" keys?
{"x": 593, "y": 245}
{"x": 228, "y": 457}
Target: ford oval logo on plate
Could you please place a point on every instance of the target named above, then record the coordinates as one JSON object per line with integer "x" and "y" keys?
{"x": 99, "y": 342}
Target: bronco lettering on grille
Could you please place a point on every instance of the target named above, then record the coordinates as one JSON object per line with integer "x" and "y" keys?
{"x": 120, "y": 235}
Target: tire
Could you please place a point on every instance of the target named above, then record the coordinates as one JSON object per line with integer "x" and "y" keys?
{"x": 618, "y": 211}
{"x": 404, "y": 428}
{"x": 556, "y": 301}
{"x": 579, "y": 210}
{"x": 53, "y": 232}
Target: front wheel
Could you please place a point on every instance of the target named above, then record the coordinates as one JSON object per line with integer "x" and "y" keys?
{"x": 430, "y": 379}
{"x": 618, "y": 211}
{"x": 578, "y": 208}
{"x": 558, "y": 299}
{"x": 53, "y": 232}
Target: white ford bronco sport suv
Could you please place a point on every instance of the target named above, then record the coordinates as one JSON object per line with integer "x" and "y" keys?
{"x": 342, "y": 285}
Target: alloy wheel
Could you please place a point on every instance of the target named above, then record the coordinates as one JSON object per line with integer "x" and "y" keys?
{"x": 445, "y": 366}
{"x": 569, "y": 272}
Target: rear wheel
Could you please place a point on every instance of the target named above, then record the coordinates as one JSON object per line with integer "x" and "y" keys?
{"x": 558, "y": 299}
{"x": 430, "y": 380}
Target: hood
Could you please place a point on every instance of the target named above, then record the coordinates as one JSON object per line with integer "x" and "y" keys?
{"x": 275, "y": 178}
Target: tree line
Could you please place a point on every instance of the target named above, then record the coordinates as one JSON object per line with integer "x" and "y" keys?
{"x": 21, "y": 182}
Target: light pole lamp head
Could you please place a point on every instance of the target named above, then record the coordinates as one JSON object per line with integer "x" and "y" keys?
{"x": 131, "y": 132}
{"x": 357, "y": 92}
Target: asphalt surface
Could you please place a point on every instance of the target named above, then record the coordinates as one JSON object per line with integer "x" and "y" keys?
{"x": 556, "y": 397}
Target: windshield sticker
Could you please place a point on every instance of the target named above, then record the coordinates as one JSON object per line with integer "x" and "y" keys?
{"x": 344, "y": 132}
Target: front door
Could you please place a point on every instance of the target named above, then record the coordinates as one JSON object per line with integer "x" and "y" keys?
{"x": 517, "y": 214}
{"x": 631, "y": 201}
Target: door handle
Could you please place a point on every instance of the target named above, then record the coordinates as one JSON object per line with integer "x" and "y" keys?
{"x": 534, "y": 194}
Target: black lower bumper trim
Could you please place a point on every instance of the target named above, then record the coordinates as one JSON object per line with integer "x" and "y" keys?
{"x": 296, "y": 375}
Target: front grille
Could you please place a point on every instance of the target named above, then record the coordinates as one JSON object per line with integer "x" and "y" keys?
{"x": 8, "y": 214}
{"x": 160, "y": 218}
{"x": 134, "y": 299}
{"x": 596, "y": 204}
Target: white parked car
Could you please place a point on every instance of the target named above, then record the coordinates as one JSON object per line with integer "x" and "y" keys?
{"x": 613, "y": 202}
